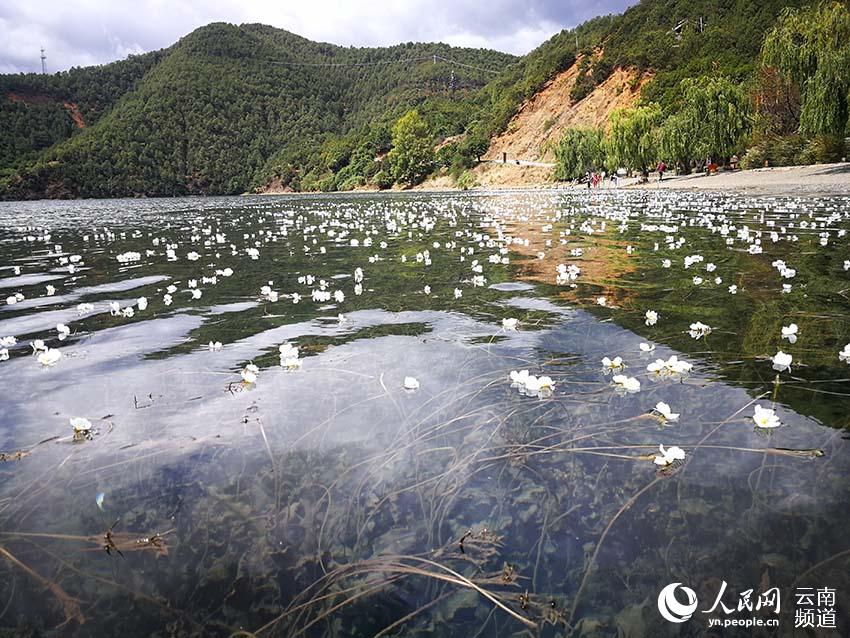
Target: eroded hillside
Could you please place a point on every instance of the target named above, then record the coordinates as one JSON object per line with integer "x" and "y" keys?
{"x": 543, "y": 119}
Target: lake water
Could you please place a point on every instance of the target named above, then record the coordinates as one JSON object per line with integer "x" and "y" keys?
{"x": 321, "y": 497}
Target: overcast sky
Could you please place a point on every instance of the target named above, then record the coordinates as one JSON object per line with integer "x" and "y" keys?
{"x": 86, "y": 32}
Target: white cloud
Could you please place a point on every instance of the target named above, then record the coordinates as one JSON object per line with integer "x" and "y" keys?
{"x": 98, "y": 31}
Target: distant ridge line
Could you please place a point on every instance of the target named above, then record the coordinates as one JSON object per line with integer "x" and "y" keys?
{"x": 421, "y": 58}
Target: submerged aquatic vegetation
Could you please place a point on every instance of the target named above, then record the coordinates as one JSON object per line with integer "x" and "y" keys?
{"x": 326, "y": 503}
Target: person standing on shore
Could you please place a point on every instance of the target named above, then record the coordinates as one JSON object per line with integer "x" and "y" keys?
{"x": 661, "y": 168}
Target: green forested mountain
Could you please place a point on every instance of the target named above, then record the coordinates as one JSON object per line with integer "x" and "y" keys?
{"x": 231, "y": 108}
{"x": 33, "y": 111}
{"x": 228, "y": 107}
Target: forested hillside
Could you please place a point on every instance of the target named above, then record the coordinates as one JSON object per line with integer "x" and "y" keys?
{"x": 230, "y": 109}
{"x": 37, "y": 111}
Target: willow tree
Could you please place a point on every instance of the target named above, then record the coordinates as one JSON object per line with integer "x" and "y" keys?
{"x": 630, "y": 142}
{"x": 676, "y": 139}
{"x": 811, "y": 46}
{"x": 719, "y": 114}
{"x": 578, "y": 151}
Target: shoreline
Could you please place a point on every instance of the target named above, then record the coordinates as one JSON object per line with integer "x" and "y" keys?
{"x": 812, "y": 179}
{"x": 809, "y": 180}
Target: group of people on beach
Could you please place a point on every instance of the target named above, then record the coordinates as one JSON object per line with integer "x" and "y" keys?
{"x": 596, "y": 179}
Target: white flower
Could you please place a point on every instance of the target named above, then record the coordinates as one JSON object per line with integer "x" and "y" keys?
{"x": 214, "y": 346}
{"x": 510, "y": 324}
{"x": 84, "y": 307}
{"x": 665, "y": 412}
{"x": 782, "y": 361}
{"x": 358, "y": 275}
{"x": 844, "y": 355}
{"x": 287, "y": 350}
{"x": 291, "y": 362}
{"x": 128, "y": 311}
{"x": 566, "y": 274}
{"x": 627, "y": 384}
{"x": 50, "y": 290}
{"x": 171, "y": 289}
{"x": 127, "y": 257}
{"x": 651, "y": 317}
{"x": 63, "y": 331}
{"x": 8, "y": 341}
{"x": 530, "y": 385}
{"x": 339, "y": 296}
{"x": 697, "y": 281}
{"x": 790, "y": 332}
{"x": 670, "y": 367}
{"x": 427, "y": 290}
{"x": 196, "y": 293}
{"x": 49, "y": 357}
{"x": 765, "y": 418}
{"x": 4, "y": 354}
{"x": 249, "y": 373}
{"x": 38, "y": 346}
{"x": 699, "y": 329}
{"x": 142, "y": 302}
{"x": 80, "y": 424}
{"x": 612, "y": 364}
{"x": 167, "y": 299}
{"x": 669, "y": 456}
{"x": 518, "y": 378}
{"x": 458, "y": 293}
{"x": 666, "y": 263}
{"x": 646, "y": 347}
{"x": 733, "y": 289}
{"x": 114, "y": 308}
{"x": 601, "y": 301}
{"x": 545, "y": 386}
{"x": 410, "y": 383}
